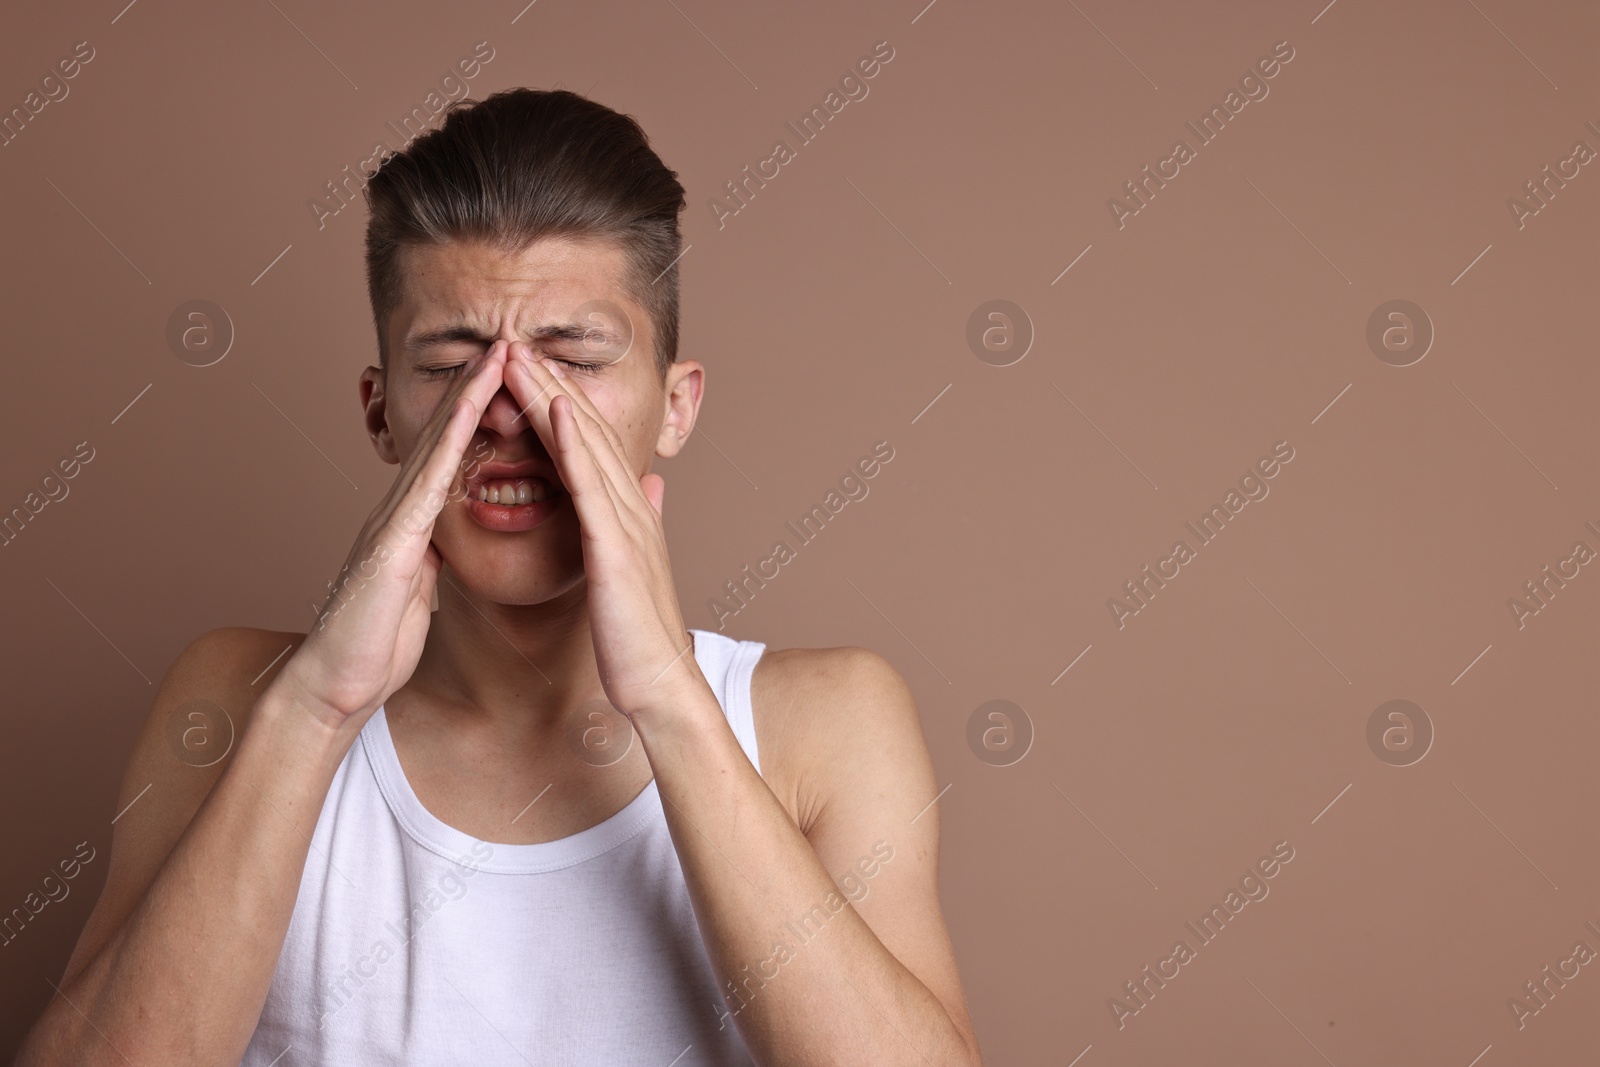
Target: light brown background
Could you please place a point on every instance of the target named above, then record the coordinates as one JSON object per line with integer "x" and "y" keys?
{"x": 1227, "y": 316}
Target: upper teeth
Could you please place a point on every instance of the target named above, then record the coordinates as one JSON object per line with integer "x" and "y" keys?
{"x": 512, "y": 491}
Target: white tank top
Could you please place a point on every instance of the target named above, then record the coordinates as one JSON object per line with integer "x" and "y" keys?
{"x": 412, "y": 942}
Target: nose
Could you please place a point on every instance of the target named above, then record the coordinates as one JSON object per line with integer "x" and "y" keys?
{"x": 503, "y": 416}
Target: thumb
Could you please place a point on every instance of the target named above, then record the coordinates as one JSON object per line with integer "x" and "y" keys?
{"x": 655, "y": 489}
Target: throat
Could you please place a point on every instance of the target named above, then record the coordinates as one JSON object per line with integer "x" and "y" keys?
{"x": 546, "y": 788}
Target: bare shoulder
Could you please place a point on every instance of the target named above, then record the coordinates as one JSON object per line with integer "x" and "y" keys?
{"x": 193, "y": 724}
{"x": 206, "y": 699}
{"x": 826, "y": 716}
{"x": 842, "y": 747}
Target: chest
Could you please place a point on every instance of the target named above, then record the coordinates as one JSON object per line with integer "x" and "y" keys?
{"x": 403, "y": 949}
{"x": 541, "y": 791}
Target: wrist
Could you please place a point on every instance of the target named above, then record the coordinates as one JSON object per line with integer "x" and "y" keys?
{"x": 686, "y": 708}
{"x": 302, "y": 727}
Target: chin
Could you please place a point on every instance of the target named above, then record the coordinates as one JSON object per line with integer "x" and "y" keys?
{"x": 500, "y": 583}
{"x": 530, "y": 567}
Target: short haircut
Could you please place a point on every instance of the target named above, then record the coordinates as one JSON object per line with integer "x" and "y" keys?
{"x": 524, "y": 164}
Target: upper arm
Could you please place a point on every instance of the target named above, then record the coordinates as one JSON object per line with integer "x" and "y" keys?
{"x": 181, "y": 751}
{"x": 866, "y": 787}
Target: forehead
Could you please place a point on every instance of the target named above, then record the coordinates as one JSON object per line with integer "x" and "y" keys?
{"x": 491, "y": 290}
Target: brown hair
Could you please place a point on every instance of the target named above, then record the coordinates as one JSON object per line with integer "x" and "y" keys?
{"x": 525, "y": 164}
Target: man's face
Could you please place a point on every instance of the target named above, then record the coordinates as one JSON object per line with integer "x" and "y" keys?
{"x": 564, "y": 297}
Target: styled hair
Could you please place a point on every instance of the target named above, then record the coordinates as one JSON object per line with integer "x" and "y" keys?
{"x": 524, "y": 164}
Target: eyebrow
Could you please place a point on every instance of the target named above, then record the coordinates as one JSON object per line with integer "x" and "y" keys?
{"x": 562, "y": 331}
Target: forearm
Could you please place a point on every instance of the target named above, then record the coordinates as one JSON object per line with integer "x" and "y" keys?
{"x": 801, "y": 993}
{"x": 183, "y": 979}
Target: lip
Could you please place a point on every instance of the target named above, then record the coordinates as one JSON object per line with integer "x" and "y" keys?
{"x": 512, "y": 518}
{"x": 522, "y": 469}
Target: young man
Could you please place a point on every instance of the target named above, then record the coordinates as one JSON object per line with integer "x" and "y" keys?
{"x": 544, "y": 823}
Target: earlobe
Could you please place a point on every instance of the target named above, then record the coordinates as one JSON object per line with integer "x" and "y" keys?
{"x": 669, "y": 442}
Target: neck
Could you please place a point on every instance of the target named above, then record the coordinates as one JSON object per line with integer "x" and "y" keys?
{"x": 524, "y": 666}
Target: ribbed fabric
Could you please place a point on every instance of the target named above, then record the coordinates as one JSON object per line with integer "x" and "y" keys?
{"x": 412, "y": 942}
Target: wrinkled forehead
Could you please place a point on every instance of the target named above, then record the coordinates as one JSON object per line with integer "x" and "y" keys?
{"x": 556, "y": 290}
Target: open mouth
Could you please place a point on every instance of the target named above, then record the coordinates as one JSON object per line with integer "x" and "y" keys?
{"x": 512, "y": 492}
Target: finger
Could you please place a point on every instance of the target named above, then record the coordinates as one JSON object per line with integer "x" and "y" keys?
{"x": 595, "y": 449}
{"x": 427, "y": 574}
{"x": 476, "y": 385}
{"x": 596, "y": 504}
{"x": 532, "y": 395}
{"x": 654, "y": 488}
{"x": 533, "y": 384}
{"x": 425, "y": 496}
{"x": 535, "y": 389}
{"x": 602, "y": 441}
{"x": 471, "y": 383}
{"x": 411, "y": 520}
{"x": 574, "y": 388}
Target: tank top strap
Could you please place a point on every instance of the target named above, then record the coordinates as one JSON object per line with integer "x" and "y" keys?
{"x": 728, "y": 665}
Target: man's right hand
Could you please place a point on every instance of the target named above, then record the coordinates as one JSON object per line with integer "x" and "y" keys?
{"x": 177, "y": 957}
{"x": 369, "y": 635}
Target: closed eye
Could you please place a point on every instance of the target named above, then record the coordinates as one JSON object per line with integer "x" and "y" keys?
{"x": 455, "y": 369}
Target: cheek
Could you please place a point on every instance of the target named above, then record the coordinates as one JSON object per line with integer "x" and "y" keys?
{"x": 408, "y": 418}
{"x": 639, "y": 438}
{"x": 629, "y": 420}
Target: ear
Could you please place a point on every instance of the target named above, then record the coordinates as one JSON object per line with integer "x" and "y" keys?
{"x": 681, "y": 393}
{"x": 375, "y": 407}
